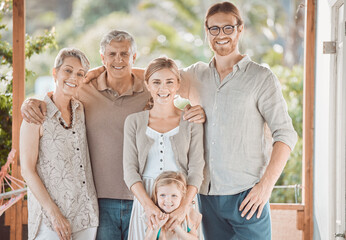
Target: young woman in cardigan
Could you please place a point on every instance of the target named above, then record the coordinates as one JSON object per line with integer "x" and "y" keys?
{"x": 159, "y": 140}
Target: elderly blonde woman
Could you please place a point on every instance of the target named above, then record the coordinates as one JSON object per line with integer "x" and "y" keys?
{"x": 55, "y": 162}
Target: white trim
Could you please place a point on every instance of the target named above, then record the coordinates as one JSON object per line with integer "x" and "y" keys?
{"x": 332, "y": 128}
{"x": 337, "y": 128}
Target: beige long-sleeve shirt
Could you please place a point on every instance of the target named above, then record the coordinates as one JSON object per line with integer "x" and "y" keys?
{"x": 239, "y": 110}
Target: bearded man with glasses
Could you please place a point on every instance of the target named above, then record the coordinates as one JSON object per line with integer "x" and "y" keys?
{"x": 241, "y": 100}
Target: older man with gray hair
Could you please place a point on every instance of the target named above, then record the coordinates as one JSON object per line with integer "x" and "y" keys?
{"x": 108, "y": 100}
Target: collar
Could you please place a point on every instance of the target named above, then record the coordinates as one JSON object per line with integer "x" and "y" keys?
{"x": 53, "y": 110}
{"x": 137, "y": 84}
{"x": 241, "y": 65}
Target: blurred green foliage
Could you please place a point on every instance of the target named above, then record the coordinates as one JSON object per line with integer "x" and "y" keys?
{"x": 292, "y": 87}
{"x": 33, "y": 45}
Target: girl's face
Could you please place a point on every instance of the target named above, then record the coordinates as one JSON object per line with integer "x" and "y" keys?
{"x": 68, "y": 76}
{"x": 163, "y": 86}
{"x": 169, "y": 197}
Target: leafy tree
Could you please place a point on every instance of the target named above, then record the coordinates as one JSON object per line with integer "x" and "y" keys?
{"x": 89, "y": 11}
{"x": 33, "y": 45}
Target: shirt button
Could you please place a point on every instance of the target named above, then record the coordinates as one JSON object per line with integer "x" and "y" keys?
{"x": 213, "y": 142}
{"x": 215, "y": 108}
{"x": 161, "y": 160}
{"x": 213, "y": 124}
{"x": 161, "y": 169}
{"x": 74, "y": 132}
{"x": 161, "y": 135}
{"x": 80, "y": 166}
{"x": 161, "y": 143}
{"x": 161, "y": 151}
{"x": 77, "y": 149}
{"x": 83, "y": 182}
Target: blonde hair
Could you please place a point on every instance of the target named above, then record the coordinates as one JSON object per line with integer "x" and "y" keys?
{"x": 167, "y": 178}
{"x": 71, "y": 52}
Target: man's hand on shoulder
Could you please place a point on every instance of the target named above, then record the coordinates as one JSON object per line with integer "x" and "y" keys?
{"x": 34, "y": 110}
{"x": 94, "y": 73}
{"x": 194, "y": 114}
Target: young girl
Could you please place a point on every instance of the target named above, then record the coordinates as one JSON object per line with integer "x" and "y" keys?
{"x": 159, "y": 140}
{"x": 168, "y": 192}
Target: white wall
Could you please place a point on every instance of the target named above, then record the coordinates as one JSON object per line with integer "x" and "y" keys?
{"x": 323, "y": 203}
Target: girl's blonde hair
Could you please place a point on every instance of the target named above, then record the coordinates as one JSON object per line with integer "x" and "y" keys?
{"x": 167, "y": 178}
{"x": 157, "y": 65}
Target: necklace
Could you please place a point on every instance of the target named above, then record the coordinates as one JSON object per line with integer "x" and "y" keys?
{"x": 62, "y": 123}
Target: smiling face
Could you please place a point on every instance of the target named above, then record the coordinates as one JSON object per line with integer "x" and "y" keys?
{"x": 169, "y": 197}
{"x": 223, "y": 44}
{"x": 118, "y": 59}
{"x": 68, "y": 76}
{"x": 163, "y": 86}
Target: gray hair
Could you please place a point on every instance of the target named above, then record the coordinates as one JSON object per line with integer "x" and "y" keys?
{"x": 71, "y": 52}
{"x": 117, "y": 36}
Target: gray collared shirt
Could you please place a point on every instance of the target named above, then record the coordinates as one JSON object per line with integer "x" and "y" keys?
{"x": 239, "y": 111}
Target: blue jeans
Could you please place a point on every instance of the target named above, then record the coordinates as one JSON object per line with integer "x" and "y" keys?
{"x": 222, "y": 219}
{"x": 114, "y": 219}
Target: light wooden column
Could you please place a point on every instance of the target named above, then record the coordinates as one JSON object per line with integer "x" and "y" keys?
{"x": 16, "y": 219}
{"x": 308, "y": 116}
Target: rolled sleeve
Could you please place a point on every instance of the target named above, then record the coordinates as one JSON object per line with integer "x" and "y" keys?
{"x": 196, "y": 156}
{"x": 273, "y": 108}
{"x": 130, "y": 155}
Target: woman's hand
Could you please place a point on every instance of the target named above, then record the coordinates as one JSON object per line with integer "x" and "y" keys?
{"x": 60, "y": 224}
{"x": 176, "y": 217}
{"x": 153, "y": 214}
{"x": 163, "y": 221}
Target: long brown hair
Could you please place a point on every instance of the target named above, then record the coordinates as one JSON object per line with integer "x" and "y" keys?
{"x": 157, "y": 65}
{"x": 167, "y": 178}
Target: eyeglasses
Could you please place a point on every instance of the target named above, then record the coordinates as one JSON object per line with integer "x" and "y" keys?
{"x": 228, "y": 30}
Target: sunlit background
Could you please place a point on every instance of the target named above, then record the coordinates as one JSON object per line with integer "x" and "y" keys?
{"x": 273, "y": 36}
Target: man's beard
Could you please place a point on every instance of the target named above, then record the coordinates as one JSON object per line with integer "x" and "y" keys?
{"x": 225, "y": 50}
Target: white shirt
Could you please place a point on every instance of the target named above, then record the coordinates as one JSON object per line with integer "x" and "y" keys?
{"x": 161, "y": 156}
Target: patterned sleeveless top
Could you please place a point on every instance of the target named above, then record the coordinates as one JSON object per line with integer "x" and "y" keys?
{"x": 64, "y": 167}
